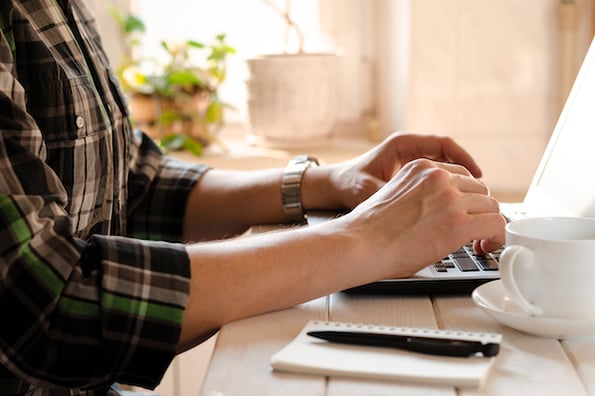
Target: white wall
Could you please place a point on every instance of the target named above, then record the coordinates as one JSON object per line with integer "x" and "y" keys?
{"x": 488, "y": 72}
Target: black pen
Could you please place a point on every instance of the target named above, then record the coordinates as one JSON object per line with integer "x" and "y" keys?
{"x": 427, "y": 345}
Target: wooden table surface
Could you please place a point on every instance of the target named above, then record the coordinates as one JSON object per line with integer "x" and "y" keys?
{"x": 527, "y": 365}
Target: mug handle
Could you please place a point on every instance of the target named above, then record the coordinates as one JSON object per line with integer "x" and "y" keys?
{"x": 508, "y": 260}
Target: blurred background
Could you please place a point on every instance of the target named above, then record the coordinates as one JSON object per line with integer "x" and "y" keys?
{"x": 493, "y": 74}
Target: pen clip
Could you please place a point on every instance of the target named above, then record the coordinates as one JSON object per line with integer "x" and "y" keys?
{"x": 452, "y": 347}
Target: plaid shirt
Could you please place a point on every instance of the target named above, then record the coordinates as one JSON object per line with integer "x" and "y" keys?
{"x": 86, "y": 299}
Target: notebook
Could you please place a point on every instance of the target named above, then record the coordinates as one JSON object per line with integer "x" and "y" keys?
{"x": 308, "y": 355}
{"x": 562, "y": 185}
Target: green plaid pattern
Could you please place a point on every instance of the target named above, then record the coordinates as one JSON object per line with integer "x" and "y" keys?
{"x": 93, "y": 279}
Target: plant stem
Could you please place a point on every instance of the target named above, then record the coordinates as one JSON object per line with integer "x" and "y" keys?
{"x": 286, "y": 15}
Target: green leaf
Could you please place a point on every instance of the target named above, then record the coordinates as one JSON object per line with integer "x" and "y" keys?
{"x": 183, "y": 77}
{"x": 219, "y": 53}
{"x": 214, "y": 112}
{"x": 165, "y": 46}
{"x": 134, "y": 24}
{"x": 172, "y": 141}
{"x": 219, "y": 74}
{"x": 193, "y": 146}
{"x": 177, "y": 142}
{"x": 117, "y": 15}
{"x": 195, "y": 44}
{"x": 169, "y": 117}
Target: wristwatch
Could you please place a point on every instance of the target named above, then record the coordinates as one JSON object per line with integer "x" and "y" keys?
{"x": 291, "y": 197}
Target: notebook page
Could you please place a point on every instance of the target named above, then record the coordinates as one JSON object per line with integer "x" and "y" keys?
{"x": 308, "y": 355}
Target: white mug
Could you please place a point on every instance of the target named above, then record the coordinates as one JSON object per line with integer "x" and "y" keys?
{"x": 548, "y": 266}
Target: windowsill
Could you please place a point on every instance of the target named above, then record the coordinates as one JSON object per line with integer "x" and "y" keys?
{"x": 233, "y": 151}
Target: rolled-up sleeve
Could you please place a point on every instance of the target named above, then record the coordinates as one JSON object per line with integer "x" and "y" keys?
{"x": 80, "y": 313}
{"x": 158, "y": 191}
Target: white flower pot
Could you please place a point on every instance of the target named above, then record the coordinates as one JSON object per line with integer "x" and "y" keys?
{"x": 292, "y": 99}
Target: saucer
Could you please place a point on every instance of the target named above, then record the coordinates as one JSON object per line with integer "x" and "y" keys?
{"x": 492, "y": 299}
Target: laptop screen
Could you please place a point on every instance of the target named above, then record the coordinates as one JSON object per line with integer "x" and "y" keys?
{"x": 564, "y": 184}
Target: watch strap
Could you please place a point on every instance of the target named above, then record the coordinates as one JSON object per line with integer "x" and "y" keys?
{"x": 291, "y": 197}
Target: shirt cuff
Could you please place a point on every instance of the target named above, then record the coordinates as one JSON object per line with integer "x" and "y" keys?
{"x": 144, "y": 288}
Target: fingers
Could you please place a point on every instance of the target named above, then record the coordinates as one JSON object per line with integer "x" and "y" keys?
{"x": 487, "y": 225}
{"x": 454, "y": 168}
{"x": 439, "y": 148}
{"x": 492, "y": 236}
{"x": 454, "y": 153}
{"x": 461, "y": 176}
{"x": 465, "y": 180}
{"x": 485, "y": 246}
{"x": 479, "y": 203}
{"x": 431, "y": 201}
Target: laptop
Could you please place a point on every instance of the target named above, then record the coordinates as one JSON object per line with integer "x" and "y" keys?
{"x": 563, "y": 185}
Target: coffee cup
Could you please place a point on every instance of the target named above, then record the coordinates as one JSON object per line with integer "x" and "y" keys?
{"x": 548, "y": 266}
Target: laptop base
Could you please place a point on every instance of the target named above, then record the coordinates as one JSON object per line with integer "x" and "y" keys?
{"x": 452, "y": 286}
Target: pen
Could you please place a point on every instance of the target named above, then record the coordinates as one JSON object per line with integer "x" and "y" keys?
{"x": 427, "y": 345}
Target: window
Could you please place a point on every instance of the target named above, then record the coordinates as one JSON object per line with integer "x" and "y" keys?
{"x": 358, "y": 29}
{"x": 253, "y": 28}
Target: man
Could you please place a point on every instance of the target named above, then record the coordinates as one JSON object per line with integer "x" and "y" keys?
{"x": 90, "y": 291}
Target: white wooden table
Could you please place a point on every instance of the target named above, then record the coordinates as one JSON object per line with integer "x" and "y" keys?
{"x": 527, "y": 365}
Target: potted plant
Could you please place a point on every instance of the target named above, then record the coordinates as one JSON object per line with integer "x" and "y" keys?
{"x": 293, "y": 96}
{"x": 175, "y": 101}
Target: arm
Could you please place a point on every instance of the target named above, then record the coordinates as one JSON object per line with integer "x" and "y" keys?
{"x": 83, "y": 311}
{"x": 424, "y": 200}
{"x": 226, "y": 203}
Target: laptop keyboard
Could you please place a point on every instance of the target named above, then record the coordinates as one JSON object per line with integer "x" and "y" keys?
{"x": 465, "y": 260}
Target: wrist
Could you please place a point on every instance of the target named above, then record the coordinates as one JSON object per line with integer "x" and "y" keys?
{"x": 351, "y": 244}
{"x": 318, "y": 191}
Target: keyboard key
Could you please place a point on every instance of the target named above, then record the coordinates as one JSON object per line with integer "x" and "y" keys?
{"x": 465, "y": 264}
{"x": 487, "y": 263}
{"x": 440, "y": 268}
{"x": 448, "y": 264}
{"x": 460, "y": 250}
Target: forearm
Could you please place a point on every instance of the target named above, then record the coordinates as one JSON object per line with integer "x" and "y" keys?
{"x": 240, "y": 278}
{"x": 226, "y": 203}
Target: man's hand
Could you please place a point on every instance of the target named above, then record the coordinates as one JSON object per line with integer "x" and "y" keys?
{"x": 425, "y": 211}
{"x": 345, "y": 185}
